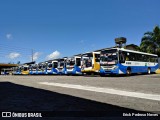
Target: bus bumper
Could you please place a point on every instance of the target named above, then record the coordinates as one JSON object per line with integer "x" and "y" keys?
{"x": 105, "y": 72}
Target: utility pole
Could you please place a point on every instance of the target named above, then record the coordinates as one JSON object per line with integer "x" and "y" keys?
{"x": 32, "y": 55}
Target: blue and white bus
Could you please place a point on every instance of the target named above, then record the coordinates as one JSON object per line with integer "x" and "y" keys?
{"x": 41, "y": 68}
{"x": 73, "y": 66}
{"x": 124, "y": 61}
{"x": 62, "y": 66}
{"x": 33, "y": 69}
{"x": 17, "y": 70}
{"x": 52, "y": 67}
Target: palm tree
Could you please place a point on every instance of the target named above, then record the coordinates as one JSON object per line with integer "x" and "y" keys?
{"x": 151, "y": 41}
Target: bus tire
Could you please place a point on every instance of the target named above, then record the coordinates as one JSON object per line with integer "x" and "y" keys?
{"x": 128, "y": 71}
{"x": 149, "y": 71}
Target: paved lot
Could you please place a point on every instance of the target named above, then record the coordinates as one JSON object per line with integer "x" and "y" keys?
{"x": 73, "y": 93}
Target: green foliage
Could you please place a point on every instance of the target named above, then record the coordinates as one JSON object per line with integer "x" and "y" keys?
{"x": 151, "y": 41}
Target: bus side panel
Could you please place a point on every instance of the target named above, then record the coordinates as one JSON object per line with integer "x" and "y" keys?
{"x": 138, "y": 69}
{"x": 76, "y": 70}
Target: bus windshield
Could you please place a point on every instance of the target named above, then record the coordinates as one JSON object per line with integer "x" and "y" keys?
{"x": 55, "y": 65}
{"x": 71, "y": 62}
{"x": 25, "y": 68}
{"x": 87, "y": 61}
{"x": 109, "y": 56}
{"x": 49, "y": 65}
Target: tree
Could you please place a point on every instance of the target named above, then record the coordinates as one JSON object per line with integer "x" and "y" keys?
{"x": 151, "y": 41}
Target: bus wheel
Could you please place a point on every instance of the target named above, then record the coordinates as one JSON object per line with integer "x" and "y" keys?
{"x": 128, "y": 72}
{"x": 149, "y": 71}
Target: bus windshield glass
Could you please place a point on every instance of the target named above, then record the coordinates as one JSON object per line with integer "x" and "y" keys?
{"x": 55, "y": 64}
{"x": 87, "y": 60}
{"x": 25, "y": 68}
{"x": 49, "y": 65}
{"x": 71, "y": 62}
{"x": 109, "y": 56}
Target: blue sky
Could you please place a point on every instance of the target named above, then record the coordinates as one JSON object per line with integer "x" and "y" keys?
{"x": 57, "y": 28}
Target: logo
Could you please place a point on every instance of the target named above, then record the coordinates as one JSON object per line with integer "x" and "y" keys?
{"x": 6, "y": 114}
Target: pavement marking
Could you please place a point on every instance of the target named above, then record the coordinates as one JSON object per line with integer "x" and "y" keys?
{"x": 106, "y": 90}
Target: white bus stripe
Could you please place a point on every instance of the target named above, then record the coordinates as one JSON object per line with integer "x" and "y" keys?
{"x": 107, "y": 90}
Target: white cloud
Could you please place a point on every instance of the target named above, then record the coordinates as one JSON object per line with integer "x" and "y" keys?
{"x": 53, "y": 55}
{"x": 9, "y": 36}
{"x": 36, "y": 55}
{"x": 14, "y": 55}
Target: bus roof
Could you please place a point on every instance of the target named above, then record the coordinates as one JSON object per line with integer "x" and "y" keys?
{"x": 127, "y": 50}
{"x": 91, "y": 52}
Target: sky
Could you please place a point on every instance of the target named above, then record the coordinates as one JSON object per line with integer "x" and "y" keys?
{"x": 58, "y": 28}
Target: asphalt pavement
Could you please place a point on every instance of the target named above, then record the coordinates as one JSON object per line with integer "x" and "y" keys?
{"x": 109, "y": 96}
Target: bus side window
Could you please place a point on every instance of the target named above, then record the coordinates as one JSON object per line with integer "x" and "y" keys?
{"x": 122, "y": 57}
{"x": 78, "y": 62}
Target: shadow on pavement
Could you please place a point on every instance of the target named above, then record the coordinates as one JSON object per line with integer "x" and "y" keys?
{"x": 21, "y": 98}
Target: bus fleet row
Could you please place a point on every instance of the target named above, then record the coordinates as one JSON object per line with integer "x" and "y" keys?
{"x": 103, "y": 62}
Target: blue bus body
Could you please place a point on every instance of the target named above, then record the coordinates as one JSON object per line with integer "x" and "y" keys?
{"x": 73, "y": 66}
{"x": 41, "y": 69}
{"x": 52, "y": 68}
{"x": 61, "y": 68}
{"x": 33, "y": 69}
{"x": 17, "y": 71}
{"x": 123, "y": 61}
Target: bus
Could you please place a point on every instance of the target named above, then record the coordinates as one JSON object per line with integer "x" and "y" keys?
{"x": 21, "y": 70}
{"x": 90, "y": 63}
{"x": 16, "y": 70}
{"x": 62, "y": 66}
{"x": 33, "y": 69}
{"x": 52, "y": 67}
{"x": 41, "y": 68}
{"x": 73, "y": 65}
{"x": 124, "y": 61}
{"x": 25, "y": 70}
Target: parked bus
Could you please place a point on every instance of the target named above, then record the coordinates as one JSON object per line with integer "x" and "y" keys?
{"x": 52, "y": 67}
{"x": 16, "y": 70}
{"x": 25, "y": 70}
{"x": 73, "y": 65}
{"x": 41, "y": 68}
{"x": 62, "y": 66}
{"x": 21, "y": 70}
{"x": 90, "y": 63}
{"x": 33, "y": 69}
{"x": 124, "y": 61}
